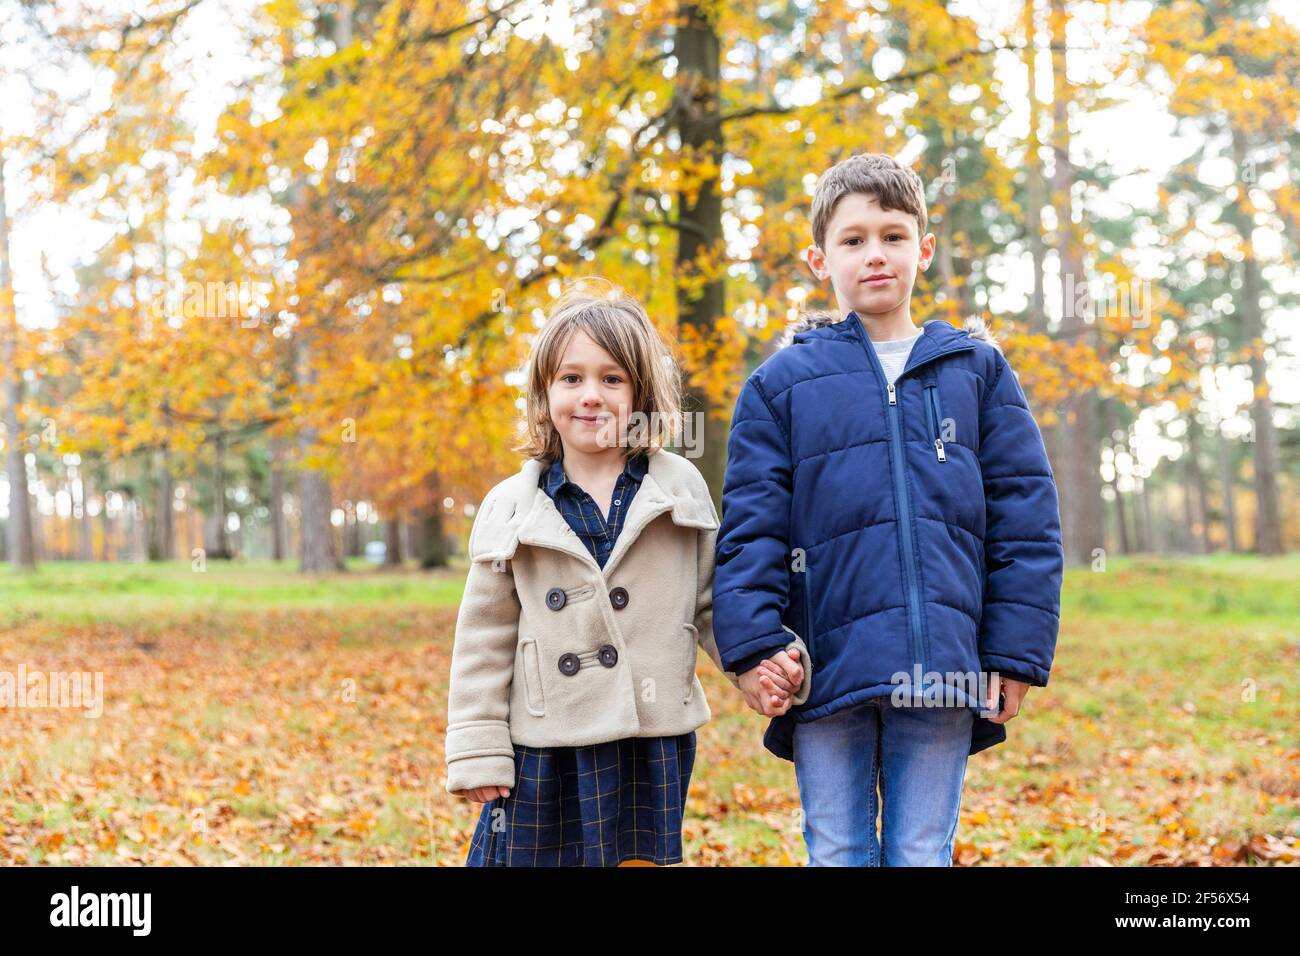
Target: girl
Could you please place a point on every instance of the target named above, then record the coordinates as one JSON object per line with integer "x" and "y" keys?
{"x": 573, "y": 699}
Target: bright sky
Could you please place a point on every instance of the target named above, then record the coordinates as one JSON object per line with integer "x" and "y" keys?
{"x": 214, "y": 35}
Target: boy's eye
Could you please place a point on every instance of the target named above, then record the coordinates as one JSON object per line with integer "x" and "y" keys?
{"x": 892, "y": 235}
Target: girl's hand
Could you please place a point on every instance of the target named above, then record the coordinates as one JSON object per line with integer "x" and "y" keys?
{"x": 774, "y": 678}
{"x": 484, "y": 794}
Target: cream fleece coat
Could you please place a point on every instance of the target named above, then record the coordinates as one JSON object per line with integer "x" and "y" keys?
{"x": 551, "y": 650}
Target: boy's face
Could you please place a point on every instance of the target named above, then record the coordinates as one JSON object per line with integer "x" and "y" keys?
{"x": 863, "y": 241}
{"x": 589, "y": 398}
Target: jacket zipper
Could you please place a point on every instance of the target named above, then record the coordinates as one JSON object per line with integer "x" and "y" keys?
{"x": 900, "y": 486}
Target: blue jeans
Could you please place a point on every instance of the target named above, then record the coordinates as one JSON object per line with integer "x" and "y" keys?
{"x": 918, "y": 754}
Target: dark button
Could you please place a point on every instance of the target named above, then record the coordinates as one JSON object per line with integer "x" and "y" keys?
{"x": 618, "y": 598}
{"x": 555, "y": 598}
{"x": 608, "y": 655}
{"x": 569, "y": 664}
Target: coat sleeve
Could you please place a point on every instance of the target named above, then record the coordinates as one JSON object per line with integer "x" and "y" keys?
{"x": 704, "y": 600}
{"x": 479, "y": 751}
{"x": 704, "y": 619}
{"x": 751, "y": 580}
{"x": 1024, "y": 559}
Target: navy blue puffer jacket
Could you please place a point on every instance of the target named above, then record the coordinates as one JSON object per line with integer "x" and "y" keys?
{"x": 907, "y": 529}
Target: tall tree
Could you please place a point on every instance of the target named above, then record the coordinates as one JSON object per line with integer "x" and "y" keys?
{"x": 20, "y": 543}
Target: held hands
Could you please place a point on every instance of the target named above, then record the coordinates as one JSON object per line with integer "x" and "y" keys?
{"x": 1013, "y": 690}
{"x": 769, "y": 687}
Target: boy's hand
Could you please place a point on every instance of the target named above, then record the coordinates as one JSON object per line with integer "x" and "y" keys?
{"x": 761, "y": 690}
{"x": 1013, "y": 690}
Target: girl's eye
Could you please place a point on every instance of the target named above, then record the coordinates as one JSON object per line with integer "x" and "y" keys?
{"x": 613, "y": 379}
{"x": 565, "y": 378}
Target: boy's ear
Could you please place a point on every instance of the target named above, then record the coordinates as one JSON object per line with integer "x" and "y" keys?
{"x": 816, "y": 260}
{"x": 927, "y": 250}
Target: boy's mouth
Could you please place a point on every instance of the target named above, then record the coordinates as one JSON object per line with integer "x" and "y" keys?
{"x": 878, "y": 280}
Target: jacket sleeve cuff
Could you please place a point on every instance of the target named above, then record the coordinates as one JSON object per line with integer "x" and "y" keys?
{"x": 1017, "y": 670}
{"x": 806, "y": 661}
{"x": 1023, "y": 678}
{"x": 480, "y": 754}
{"x": 753, "y": 660}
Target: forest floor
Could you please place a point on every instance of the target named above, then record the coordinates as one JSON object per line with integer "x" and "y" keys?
{"x": 249, "y": 715}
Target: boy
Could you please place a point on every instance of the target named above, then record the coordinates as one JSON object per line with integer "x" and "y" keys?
{"x": 888, "y": 498}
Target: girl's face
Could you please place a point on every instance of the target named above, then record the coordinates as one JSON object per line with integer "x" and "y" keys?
{"x": 589, "y": 397}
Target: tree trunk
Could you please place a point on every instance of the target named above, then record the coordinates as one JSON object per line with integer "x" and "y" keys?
{"x": 1198, "y": 483}
{"x": 21, "y": 544}
{"x": 415, "y": 537}
{"x": 1118, "y": 443}
{"x": 1191, "y": 542}
{"x": 393, "y": 542}
{"x": 85, "y": 525}
{"x": 1080, "y": 484}
{"x": 214, "y": 530}
{"x": 352, "y": 532}
{"x": 433, "y": 551}
{"x": 1035, "y": 187}
{"x": 1228, "y": 476}
{"x": 699, "y": 220}
{"x": 279, "y": 536}
{"x": 318, "y": 552}
{"x": 1142, "y": 516}
{"x": 161, "y": 526}
{"x": 1268, "y": 512}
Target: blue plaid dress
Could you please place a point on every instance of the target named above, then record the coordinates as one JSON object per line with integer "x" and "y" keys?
{"x": 601, "y": 804}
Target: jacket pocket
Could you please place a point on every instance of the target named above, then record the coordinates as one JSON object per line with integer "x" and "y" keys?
{"x": 934, "y": 416}
{"x": 688, "y": 665}
{"x": 534, "y": 699}
{"x": 808, "y": 611}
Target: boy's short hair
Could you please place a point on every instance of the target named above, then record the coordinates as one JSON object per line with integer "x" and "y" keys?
{"x": 618, "y": 324}
{"x": 896, "y": 187}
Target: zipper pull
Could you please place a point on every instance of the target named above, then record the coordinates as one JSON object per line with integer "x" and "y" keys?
{"x": 892, "y": 400}
{"x": 938, "y": 447}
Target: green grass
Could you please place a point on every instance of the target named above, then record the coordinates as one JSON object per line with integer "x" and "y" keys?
{"x": 1228, "y": 588}
{"x": 79, "y": 592}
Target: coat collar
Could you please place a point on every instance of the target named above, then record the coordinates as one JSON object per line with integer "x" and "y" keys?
{"x": 937, "y": 337}
{"x": 524, "y": 514}
{"x": 973, "y": 326}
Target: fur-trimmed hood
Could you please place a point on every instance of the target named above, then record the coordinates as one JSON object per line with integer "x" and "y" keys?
{"x": 973, "y": 325}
